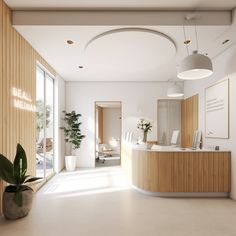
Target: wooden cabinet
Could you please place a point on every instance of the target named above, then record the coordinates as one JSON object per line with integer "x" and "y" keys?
{"x": 181, "y": 171}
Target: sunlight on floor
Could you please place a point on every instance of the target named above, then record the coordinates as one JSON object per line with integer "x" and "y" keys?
{"x": 87, "y": 181}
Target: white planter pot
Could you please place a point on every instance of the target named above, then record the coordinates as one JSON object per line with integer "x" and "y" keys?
{"x": 70, "y": 162}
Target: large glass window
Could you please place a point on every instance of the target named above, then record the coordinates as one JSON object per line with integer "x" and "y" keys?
{"x": 44, "y": 123}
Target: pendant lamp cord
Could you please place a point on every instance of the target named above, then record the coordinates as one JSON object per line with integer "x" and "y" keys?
{"x": 196, "y": 35}
{"x": 185, "y": 39}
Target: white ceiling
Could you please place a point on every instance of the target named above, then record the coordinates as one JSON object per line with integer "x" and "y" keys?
{"x": 131, "y": 55}
{"x": 124, "y": 56}
{"x": 123, "y": 4}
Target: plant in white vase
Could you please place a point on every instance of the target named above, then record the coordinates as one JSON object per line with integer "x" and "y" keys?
{"x": 73, "y": 136}
{"x": 145, "y": 126}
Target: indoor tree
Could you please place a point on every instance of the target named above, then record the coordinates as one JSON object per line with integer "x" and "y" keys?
{"x": 72, "y": 130}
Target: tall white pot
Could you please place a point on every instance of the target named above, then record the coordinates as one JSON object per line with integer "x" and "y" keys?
{"x": 70, "y": 162}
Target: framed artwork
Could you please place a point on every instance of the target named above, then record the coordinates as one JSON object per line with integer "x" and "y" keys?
{"x": 217, "y": 110}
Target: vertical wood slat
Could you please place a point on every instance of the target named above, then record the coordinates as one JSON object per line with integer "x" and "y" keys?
{"x": 17, "y": 69}
{"x": 1, "y": 86}
{"x": 100, "y": 123}
{"x": 227, "y": 172}
{"x": 165, "y": 173}
{"x": 189, "y": 120}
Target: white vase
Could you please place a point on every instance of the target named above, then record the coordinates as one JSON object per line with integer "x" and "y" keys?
{"x": 70, "y": 162}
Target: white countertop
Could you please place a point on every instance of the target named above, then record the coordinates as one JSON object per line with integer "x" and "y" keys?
{"x": 158, "y": 148}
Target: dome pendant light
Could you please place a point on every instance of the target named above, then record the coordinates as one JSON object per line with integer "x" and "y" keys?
{"x": 195, "y": 66}
{"x": 175, "y": 91}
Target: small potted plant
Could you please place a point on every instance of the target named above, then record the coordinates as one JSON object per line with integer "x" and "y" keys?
{"x": 73, "y": 136}
{"x": 18, "y": 196}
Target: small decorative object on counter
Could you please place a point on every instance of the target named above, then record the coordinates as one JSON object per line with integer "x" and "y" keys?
{"x": 145, "y": 126}
{"x": 201, "y": 142}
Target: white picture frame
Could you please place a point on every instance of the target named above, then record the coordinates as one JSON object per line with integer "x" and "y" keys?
{"x": 217, "y": 110}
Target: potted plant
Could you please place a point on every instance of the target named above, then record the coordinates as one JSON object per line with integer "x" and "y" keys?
{"x": 73, "y": 136}
{"x": 18, "y": 196}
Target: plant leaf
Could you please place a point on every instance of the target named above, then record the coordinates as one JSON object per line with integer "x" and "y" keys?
{"x": 24, "y": 188}
{"x": 25, "y": 177}
{"x": 20, "y": 164}
{"x": 32, "y": 179}
{"x": 6, "y": 170}
{"x": 11, "y": 189}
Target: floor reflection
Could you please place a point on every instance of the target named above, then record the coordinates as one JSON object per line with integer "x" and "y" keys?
{"x": 87, "y": 181}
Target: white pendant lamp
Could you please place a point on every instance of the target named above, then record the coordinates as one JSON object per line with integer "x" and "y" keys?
{"x": 175, "y": 91}
{"x": 195, "y": 66}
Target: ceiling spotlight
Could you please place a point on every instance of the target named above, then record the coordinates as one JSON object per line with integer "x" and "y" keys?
{"x": 69, "y": 42}
{"x": 81, "y": 67}
{"x": 175, "y": 91}
{"x": 226, "y": 41}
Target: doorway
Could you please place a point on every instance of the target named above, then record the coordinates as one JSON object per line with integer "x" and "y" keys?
{"x": 108, "y": 125}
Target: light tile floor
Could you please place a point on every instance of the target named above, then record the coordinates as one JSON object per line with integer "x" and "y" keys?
{"x": 99, "y": 202}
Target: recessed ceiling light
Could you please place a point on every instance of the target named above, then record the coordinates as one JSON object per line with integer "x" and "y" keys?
{"x": 226, "y": 41}
{"x": 206, "y": 54}
{"x": 69, "y": 41}
{"x": 81, "y": 67}
{"x": 186, "y": 42}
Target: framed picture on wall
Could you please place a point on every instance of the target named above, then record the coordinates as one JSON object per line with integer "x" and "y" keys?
{"x": 217, "y": 110}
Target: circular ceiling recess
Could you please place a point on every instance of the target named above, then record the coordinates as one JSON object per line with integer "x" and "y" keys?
{"x": 129, "y": 51}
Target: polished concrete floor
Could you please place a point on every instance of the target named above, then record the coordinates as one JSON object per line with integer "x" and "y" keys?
{"x": 99, "y": 202}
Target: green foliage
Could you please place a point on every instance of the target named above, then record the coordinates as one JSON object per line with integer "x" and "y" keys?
{"x": 15, "y": 174}
{"x": 40, "y": 115}
{"x": 72, "y": 130}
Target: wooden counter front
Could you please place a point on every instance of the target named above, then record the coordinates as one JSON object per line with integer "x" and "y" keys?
{"x": 181, "y": 171}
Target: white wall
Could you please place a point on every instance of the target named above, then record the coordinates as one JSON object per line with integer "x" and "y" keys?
{"x": 111, "y": 124}
{"x": 224, "y": 67}
{"x": 138, "y": 100}
{"x": 60, "y": 105}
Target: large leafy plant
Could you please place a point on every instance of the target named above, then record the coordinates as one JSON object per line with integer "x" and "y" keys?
{"x": 15, "y": 174}
{"x": 72, "y": 129}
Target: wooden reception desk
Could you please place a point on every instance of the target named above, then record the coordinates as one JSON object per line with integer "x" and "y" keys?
{"x": 186, "y": 171}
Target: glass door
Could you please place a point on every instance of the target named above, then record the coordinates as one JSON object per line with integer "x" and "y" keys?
{"x": 49, "y": 154}
{"x": 40, "y": 131}
{"x": 44, "y": 124}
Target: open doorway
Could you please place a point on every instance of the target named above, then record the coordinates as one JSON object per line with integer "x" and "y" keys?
{"x": 108, "y": 133}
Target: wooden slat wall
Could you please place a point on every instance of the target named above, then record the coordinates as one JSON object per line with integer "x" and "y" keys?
{"x": 181, "y": 171}
{"x": 17, "y": 69}
{"x": 189, "y": 120}
{"x": 1, "y": 85}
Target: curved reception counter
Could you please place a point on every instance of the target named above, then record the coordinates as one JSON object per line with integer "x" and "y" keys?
{"x": 173, "y": 170}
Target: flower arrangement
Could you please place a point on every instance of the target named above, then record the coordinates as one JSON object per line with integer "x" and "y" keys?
{"x": 145, "y": 126}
